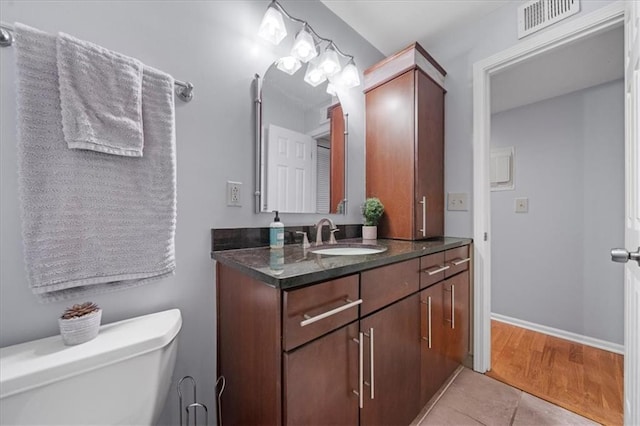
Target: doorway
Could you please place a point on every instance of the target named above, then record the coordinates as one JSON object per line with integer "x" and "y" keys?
{"x": 594, "y": 23}
{"x": 557, "y": 316}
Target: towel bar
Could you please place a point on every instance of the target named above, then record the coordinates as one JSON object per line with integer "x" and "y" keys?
{"x": 184, "y": 89}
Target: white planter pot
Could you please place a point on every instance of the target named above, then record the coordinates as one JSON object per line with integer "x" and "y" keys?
{"x": 81, "y": 329}
{"x": 369, "y": 232}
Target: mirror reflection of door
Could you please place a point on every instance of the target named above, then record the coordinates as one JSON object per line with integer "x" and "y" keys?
{"x": 309, "y": 123}
{"x": 291, "y": 170}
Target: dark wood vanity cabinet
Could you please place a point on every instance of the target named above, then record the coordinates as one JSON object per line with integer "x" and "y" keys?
{"x": 405, "y": 143}
{"x": 391, "y": 362}
{"x": 433, "y": 362}
{"x": 444, "y": 317}
{"x": 288, "y": 361}
{"x": 319, "y": 380}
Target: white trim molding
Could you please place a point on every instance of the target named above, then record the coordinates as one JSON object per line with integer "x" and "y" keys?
{"x": 602, "y": 19}
{"x": 562, "y": 334}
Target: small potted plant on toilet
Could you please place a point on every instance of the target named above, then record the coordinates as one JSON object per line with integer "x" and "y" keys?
{"x": 80, "y": 323}
{"x": 372, "y": 210}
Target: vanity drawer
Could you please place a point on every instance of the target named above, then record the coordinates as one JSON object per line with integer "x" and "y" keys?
{"x": 383, "y": 286}
{"x": 312, "y": 311}
{"x": 458, "y": 259}
{"x": 432, "y": 268}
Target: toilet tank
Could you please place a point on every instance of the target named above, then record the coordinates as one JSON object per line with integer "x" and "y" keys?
{"x": 121, "y": 377}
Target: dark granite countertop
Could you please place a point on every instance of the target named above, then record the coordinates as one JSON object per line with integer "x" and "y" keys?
{"x": 302, "y": 267}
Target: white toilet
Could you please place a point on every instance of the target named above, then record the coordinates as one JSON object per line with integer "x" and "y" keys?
{"x": 121, "y": 377}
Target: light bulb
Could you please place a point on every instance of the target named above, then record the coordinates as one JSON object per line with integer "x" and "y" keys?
{"x": 350, "y": 78}
{"x": 304, "y": 46}
{"x": 288, "y": 64}
{"x": 272, "y": 27}
{"x": 329, "y": 63}
{"x": 314, "y": 75}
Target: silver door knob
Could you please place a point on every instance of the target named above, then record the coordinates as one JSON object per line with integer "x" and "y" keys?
{"x": 621, "y": 255}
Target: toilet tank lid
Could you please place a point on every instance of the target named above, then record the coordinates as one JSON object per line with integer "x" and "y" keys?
{"x": 40, "y": 362}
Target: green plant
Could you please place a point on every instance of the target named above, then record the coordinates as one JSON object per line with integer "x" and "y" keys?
{"x": 372, "y": 210}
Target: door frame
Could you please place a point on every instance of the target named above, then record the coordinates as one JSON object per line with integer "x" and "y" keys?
{"x": 600, "y": 20}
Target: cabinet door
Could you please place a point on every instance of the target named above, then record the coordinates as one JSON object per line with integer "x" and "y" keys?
{"x": 456, "y": 295}
{"x": 392, "y": 364}
{"x": 390, "y": 133}
{"x": 433, "y": 368}
{"x": 319, "y": 380}
{"x": 429, "y": 192}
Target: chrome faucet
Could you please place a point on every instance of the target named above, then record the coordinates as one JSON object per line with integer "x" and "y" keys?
{"x": 332, "y": 228}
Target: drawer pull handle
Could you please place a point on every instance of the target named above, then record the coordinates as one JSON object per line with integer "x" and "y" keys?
{"x": 453, "y": 306}
{"x": 452, "y": 320}
{"x": 424, "y": 216}
{"x": 310, "y": 320}
{"x": 371, "y": 362}
{"x": 428, "y": 314}
{"x": 438, "y": 270}
{"x": 460, "y": 261}
{"x": 429, "y": 311}
{"x": 360, "y": 391}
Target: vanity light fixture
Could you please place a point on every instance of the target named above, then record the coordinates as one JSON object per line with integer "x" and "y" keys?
{"x": 305, "y": 48}
{"x": 288, "y": 64}
{"x": 272, "y": 27}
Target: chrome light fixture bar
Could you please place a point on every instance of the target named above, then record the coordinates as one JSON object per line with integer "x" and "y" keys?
{"x": 305, "y": 49}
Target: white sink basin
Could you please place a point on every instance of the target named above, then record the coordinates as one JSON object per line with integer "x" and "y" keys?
{"x": 351, "y": 250}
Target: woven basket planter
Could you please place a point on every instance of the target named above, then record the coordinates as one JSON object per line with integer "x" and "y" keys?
{"x": 80, "y": 329}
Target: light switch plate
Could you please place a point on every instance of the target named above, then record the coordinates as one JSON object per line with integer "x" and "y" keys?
{"x": 522, "y": 205}
{"x": 457, "y": 201}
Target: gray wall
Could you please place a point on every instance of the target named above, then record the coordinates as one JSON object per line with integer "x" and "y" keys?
{"x": 551, "y": 266}
{"x": 457, "y": 50}
{"x": 214, "y": 45}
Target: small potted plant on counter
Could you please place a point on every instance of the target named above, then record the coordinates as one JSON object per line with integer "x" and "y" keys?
{"x": 372, "y": 210}
{"x": 80, "y": 323}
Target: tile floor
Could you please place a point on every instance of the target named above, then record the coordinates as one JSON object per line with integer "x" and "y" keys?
{"x": 475, "y": 399}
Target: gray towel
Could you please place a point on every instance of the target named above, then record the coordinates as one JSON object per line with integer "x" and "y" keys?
{"x": 92, "y": 222}
{"x": 101, "y": 98}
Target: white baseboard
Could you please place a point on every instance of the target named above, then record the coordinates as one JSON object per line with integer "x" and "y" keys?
{"x": 567, "y": 335}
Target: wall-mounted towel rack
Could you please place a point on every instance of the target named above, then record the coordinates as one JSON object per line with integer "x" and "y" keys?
{"x": 184, "y": 89}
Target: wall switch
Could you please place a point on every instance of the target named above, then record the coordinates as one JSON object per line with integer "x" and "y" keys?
{"x": 522, "y": 205}
{"x": 457, "y": 201}
{"x": 234, "y": 194}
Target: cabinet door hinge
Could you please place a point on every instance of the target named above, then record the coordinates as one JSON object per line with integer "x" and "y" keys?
{"x": 486, "y": 236}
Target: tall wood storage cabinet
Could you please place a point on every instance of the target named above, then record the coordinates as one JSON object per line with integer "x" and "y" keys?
{"x": 405, "y": 143}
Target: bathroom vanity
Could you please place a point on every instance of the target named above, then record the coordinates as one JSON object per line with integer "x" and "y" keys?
{"x": 340, "y": 339}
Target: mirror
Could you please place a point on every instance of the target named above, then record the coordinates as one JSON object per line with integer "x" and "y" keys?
{"x": 301, "y": 149}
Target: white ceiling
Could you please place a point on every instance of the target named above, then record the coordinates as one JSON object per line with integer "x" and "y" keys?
{"x": 391, "y": 25}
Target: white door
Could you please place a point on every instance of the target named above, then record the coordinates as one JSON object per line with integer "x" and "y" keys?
{"x": 632, "y": 216}
{"x": 291, "y": 171}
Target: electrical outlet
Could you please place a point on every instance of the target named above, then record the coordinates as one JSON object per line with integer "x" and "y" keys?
{"x": 234, "y": 194}
{"x": 522, "y": 205}
{"x": 457, "y": 201}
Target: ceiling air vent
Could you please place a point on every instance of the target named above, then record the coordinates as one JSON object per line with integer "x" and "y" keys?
{"x": 538, "y": 14}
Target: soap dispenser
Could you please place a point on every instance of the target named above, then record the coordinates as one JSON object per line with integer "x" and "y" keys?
{"x": 276, "y": 233}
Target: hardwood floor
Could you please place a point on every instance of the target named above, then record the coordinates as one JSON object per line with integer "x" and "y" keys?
{"x": 580, "y": 378}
